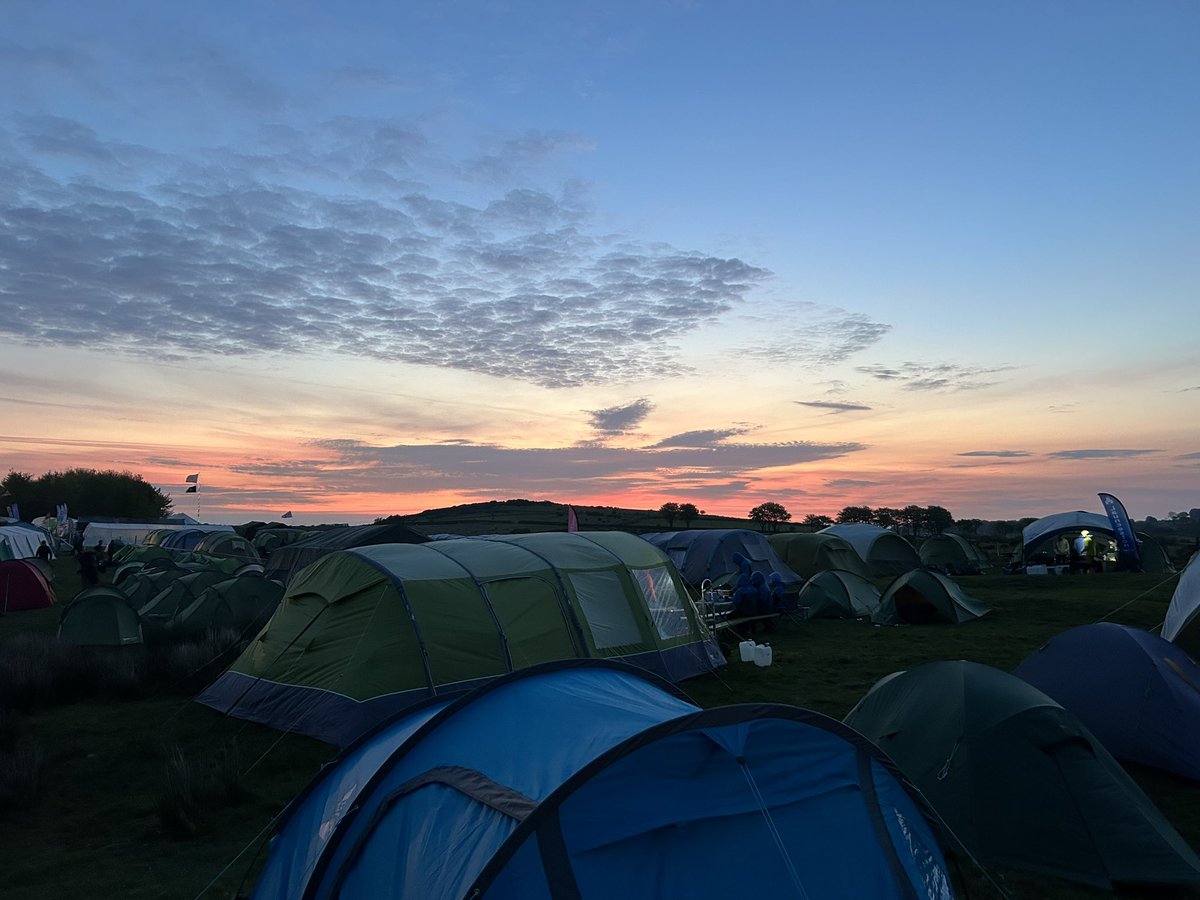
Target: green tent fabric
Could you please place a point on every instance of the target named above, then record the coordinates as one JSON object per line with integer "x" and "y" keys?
{"x": 835, "y": 594}
{"x": 175, "y": 596}
{"x": 808, "y": 554}
{"x": 243, "y": 603}
{"x": 100, "y": 616}
{"x": 287, "y": 560}
{"x": 365, "y": 632}
{"x": 954, "y": 555}
{"x": 1019, "y": 780}
{"x": 146, "y": 583}
{"x": 228, "y": 545}
{"x": 922, "y": 597}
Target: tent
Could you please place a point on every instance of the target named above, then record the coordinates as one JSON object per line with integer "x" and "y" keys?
{"x": 286, "y": 561}
{"x": 808, "y": 554}
{"x": 143, "y": 585}
{"x": 922, "y": 597}
{"x": 836, "y": 594}
{"x": 176, "y": 595}
{"x": 137, "y": 533}
{"x": 1039, "y": 540}
{"x": 23, "y": 539}
{"x": 183, "y": 539}
{"x": 1138, "y": 693}
{"x": 364, "y": 633}
{"x": 884, "y": 552}
{"x": 23, "y": 585}
{"x": 617, "y": 787}
{"x": 243, "y": 603}
{"x": 228, "y": 545}
{"x": 1018, "y": 779}
{"x": 1182, "y": 624}
{"x": 100, "y": 616}
{"x": 702, "y": 554}
{"x": 953, "y": 554}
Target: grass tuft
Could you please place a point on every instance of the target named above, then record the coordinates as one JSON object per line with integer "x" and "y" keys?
{"x": 21, "y": 776}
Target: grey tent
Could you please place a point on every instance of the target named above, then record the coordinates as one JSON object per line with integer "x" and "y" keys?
{"x": 954, "y": 555}
{"x": 1019, "y": 780}
{"x": 922, "y": 597}
{"x": 884, "y": 552}
{"x": 836, "y": 594}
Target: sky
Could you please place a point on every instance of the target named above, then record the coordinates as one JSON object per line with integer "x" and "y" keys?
{"x": 355, "y": 259}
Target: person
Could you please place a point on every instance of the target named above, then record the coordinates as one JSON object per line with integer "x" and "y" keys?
{"x": 77, "y": 543}
{"x": 43, "y": 552}
{"x": 99, "y": 555}
{"x": 88, "y": 573}
{"x": 778, "y": 592}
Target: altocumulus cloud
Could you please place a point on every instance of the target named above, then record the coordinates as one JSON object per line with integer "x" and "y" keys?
{"x": 935, "y": 376}
{"x": 329, "y": 240}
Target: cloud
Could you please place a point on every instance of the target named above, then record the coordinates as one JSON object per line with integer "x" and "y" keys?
{"x": 1099, "y": 454}
{"x": 935, "y": 376}
{"x": 704, "y": 438}
{"x": 617, "y": 420}
{"x": 834, "y": 407}
{"x": 490, "y": 469}
{"x": 1189, "y": 456}
{"x": 817, "y": 336}
{"x": 842, "y": 483}
{"x": 1002, "y": 454}
{"x": 329, "y": 241}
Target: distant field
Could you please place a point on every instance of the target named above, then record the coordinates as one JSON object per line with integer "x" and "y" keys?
{"x": 107, "y": 821}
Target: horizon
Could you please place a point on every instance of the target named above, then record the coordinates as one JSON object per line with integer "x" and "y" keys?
{"x": 383, "y": 260}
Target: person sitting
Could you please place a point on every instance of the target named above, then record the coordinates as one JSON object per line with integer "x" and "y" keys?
{"x": 778, "y": 592}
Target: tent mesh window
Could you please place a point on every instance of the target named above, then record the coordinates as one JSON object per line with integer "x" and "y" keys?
{"x": 666, "y": 606}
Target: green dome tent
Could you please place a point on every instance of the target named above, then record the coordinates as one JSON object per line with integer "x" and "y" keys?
{"x": 243, "y": 603}
{"x": 1018, "y": 779}
{"x": 922, "y": 597}
{"x": 835, "y": 594}
{"x": 953, "y": 554}
{"x": 366, "y": 632}
{"x": 884, "y": 552}
{"x": 808, "y": 554}
{"x": 100, "y": 616}
{"x": 163, "y": 608}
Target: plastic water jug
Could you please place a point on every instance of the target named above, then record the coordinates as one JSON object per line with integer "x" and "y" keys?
{"x": 762, "y": 655}
{"x": 746, "y": 649}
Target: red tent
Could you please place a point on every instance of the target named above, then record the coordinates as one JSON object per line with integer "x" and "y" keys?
{"x": 23, "y": 586}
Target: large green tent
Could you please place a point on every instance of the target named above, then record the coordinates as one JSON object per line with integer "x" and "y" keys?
{"x": 287, "y": 560}
{"x": 808, "y": 554}
{"x": 922, "y": 597}
{"x": 365, "y": 632}
{"x": 243, "y": 603}
{"x": 162, "y": 609}
{"x": 884, "y": 552}
{"x": 1018, "y": 779}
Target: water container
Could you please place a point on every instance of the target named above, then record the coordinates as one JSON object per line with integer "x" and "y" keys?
{"x": 762, "y": 655}
{"x": 746, "y": 648}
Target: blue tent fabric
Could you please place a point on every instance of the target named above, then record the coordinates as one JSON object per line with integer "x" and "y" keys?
{"x": 1138, "y": 693}
{"x": 619, "y": 786}
{"x": 710, "y": 554}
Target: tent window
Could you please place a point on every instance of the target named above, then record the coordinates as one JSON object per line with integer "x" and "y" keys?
{"x": 606, "y": 609}
{"x": 666, "y": 606}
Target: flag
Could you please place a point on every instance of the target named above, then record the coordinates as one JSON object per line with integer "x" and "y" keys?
{"x": 287, "y": 515}
{"x": 191, "y": 490}
{"x": 572, "y": 519}
{"x": 1128, "y": 554}
{"x": 193, "y": 479}
{"x": 62, "y": 512}
{"x": 14, "y": 512}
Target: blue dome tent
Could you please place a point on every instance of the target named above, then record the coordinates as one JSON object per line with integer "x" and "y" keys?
{"x": 618, "y": 787}
{"x": 702, "y": 554}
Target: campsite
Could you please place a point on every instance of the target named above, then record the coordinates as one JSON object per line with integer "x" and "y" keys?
{"x": 141, "y": 792}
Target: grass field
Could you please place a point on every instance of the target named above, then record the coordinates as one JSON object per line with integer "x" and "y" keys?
{"x": 141, "y": 793}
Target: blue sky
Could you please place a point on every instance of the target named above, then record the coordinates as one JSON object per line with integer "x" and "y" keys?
{"x": 367, "y": 258}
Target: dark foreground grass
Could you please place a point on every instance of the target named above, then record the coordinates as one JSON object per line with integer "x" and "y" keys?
{"x": 154, "y": 797}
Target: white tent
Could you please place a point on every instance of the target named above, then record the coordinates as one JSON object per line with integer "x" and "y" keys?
{"x": 1182, "y": 624}
{"x": 23, "y": 540}
{"x": 135, "y": 532}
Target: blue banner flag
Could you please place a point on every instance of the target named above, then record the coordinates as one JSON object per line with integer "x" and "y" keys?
{"x": 1128, "y": 554}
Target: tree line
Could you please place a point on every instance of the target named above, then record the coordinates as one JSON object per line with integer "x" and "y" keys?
{"x": 87, "y": 492}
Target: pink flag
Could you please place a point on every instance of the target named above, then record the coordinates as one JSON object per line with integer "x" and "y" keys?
{"x": 572, "y": 519}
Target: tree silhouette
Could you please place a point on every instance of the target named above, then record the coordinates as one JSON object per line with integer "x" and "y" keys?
{"x": 688, "y": 512}
{"x": 770, "y": 515}
{"x": 670, "y": 511}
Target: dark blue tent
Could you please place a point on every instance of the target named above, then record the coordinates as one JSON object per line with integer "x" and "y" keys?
{"x": 701, "y": 554}
{"x": 618, "y": 786}
{"x": 1138, "y": 693}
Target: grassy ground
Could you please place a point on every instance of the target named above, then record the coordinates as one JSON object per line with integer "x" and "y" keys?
{"x": 145, "y": 794}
